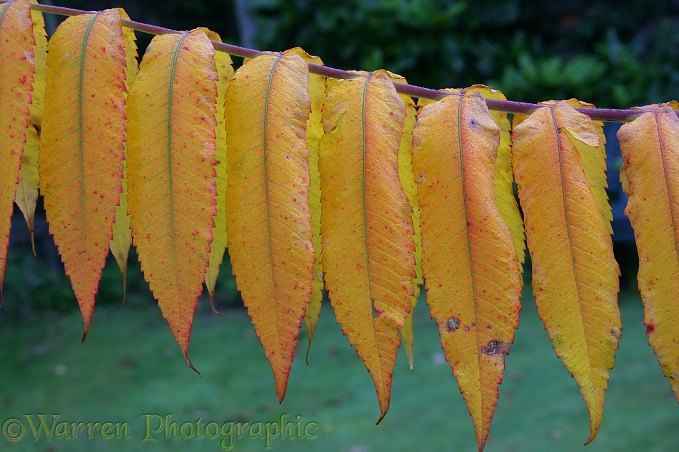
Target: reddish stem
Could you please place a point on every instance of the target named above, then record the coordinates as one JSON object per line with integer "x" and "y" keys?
{"x": 601, "y": 114}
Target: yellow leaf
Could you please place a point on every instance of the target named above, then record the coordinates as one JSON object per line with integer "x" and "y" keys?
{"x": 471, "y": 268}
{"x": 27, "y": 188}
{"x": 405, "y": 173}
{"x": 575, "y": 276}
{"x": 314, "y": 132}
{"x": 267, "y": 203}
{"x": 650, "y": 174}
{"x": 594, "y": 163}
{"x": 219, "y": 238}
{"x": 122, "y": 235}
{"x": 170, "y": 168}
{"x": 366, "y": 221}
{"x": 82, "y": 145}
{"x": 16, "y": 85}
{"x": 504, "y": 190}
{"x": 26, "y": 195}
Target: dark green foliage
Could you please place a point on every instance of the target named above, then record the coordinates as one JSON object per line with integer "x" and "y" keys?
{"x": 602, "y": 51}
{"x": 217, "y": 15}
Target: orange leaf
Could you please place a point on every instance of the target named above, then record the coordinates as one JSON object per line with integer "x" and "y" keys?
{"x": 16, "y": 85}
{"x": 267, "y": 207}
{"x": 365, "y": 222}
{"x": 575, "y": 276}
{"x": 470, "y": 264}
{"x": 650, "y": 177}
{"x": 82, "y": 145}
{"x": 170, "y": 168}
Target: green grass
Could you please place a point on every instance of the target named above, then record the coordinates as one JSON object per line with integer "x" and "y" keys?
{"x": 130, "y": 366}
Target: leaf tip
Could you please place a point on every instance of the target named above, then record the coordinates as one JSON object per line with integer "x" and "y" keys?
{"x": 212, "y": 303}
{"x": 481, "y": 444}
{"x": 124, "y": 274}
{"x": 411, "y": 356}
{"x": 190, "y": 365}
{"x": 382, "y": 414}
{"x": 592, "y": 435}
{"x": 595, "y": 414}
{"x": 384, "y": 408}
{"x": 281, "y": 385}
{"x": 87, "y": 321}
{"x": 33, "y": 241}
{"x": 281, "y": 395}
{"x": 308, "y": 349}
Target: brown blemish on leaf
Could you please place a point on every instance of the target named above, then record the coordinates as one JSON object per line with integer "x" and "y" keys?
{"x": 453, "y": 324}
{"x": 495, "y": 347}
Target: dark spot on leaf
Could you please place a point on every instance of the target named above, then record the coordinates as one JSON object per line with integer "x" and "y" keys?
{"x": 453, "y": 324}
{"x": 650, "y": 328}
{"x": 495, "y": 347}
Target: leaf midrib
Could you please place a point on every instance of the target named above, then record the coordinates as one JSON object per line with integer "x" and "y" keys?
{"x": 469, "y": 239}
{"x": 568, "y": 231}
{"x": 81, "y": 134}
{"x": 668, "y": 189}
{"x": 364, "y": 129}
{"x": 170, "y": 95}
{"x": 265, "y": 150}
{"x": 3, "y": 12}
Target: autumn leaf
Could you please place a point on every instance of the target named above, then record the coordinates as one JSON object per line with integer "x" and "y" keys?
{"x": 650, "y": 177}
{"x": 16, "y": 86}
{"x": 82, "y": 145}
{"x": 368, "y": 249}
{"x": 267, "y": 205}
{"x": 314, "y": 132}
{"x": 171, "y": 176}
{"x": 575, "y": 276}
{"x": 27, "y": 188}
{"x": 469, "y": 260}
{"x": 219, "y": 237}
{"x": 594, "y": 164}
{"x": 407, "y": 178}
{"x": 504, "y": 190}
{"x": 122, "y": 235}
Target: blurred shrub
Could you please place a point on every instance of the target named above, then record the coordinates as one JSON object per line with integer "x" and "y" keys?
{"x": 611, "y": 53}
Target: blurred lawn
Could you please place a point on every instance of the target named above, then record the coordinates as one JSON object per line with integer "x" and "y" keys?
{"x": 130, "y": 366}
